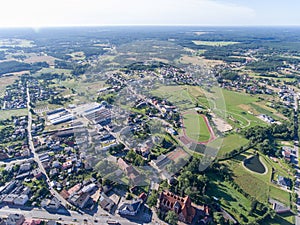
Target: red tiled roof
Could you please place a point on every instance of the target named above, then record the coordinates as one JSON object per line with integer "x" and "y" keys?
{"x": 65, "y": 194}
{"x": 180, "y": 205}
{"x": 143, "y": 196}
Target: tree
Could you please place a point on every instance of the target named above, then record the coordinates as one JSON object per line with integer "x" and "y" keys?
{"x": 172, "y": 218}
{"x": 152, "y": 199}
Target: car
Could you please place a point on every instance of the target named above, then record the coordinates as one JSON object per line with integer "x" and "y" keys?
{"x": 74, "y": 219}
{"x": 96, "y": 221}
{"x": 59, "y": 218}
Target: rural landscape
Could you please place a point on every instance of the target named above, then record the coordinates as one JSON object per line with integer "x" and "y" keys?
{"x": 149, "y": 125}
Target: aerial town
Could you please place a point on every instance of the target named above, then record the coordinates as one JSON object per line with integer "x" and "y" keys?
{"x": 99, "y": 132}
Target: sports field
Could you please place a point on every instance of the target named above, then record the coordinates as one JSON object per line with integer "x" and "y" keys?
{"x": 195, "y": 127}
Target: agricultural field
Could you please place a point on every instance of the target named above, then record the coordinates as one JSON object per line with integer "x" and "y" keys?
{"x": 215, "y": 43}
{"x": 33, "y": 58}
{"x": 5, "y": 81}
{"x": 12, "y": 42}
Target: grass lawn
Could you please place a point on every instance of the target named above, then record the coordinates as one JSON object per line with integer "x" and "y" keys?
{"x": 283, "y": 219}
{"x": 237, "y": 107}
{"x": 183, "y": 96}
{"x": 257, "y": 185}
{"x": 80, "y": 86}
{"x": 7, "y": 114}
{"x": 229, "y": 143}
{"x": 177, "y": 95}
{"x": 195, "y": 127}
{"x": 230, "y": 199}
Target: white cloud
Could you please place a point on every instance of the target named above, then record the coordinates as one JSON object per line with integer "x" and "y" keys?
{"x": 103, "y": 12}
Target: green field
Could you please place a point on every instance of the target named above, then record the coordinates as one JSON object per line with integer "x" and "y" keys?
{"x": 7, "y": 114}
{"x": 238, "y": 106}
{"x": 177, "y": 95}
{"x": 230, "y": 199}
{"x": 195, "y": 127}
{"x": 257, "y": 185}
{"x": 215, "y": 43}
{"x": 283, "y": 219}
{"x": 228, "y": 143}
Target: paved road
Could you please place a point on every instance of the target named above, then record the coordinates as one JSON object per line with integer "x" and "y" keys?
{"x": 297, "y": 188}
{"x": 73, "y": 218}
{"x": 36, "y": 157}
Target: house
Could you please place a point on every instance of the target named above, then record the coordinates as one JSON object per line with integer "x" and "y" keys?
{"x": 89, "y": 188}
{"x": 286, "y": 153}
{"x": 80, "y": 200}
{"x": 106, "y": 203}
{"x": 129, "y": 170}
{"x": 15, "y": 219}
{"x": 51, "y": 205}
{"x": 21, "y": 200}
{"x": 65, "y": 194}
{"x": 9, "y": 199}
{"x": 130, "y": 209}
{"x": 25, "y": 167}
{"x": 67, "y": 165}
{"x": 279, "y": 207}
{"x": 37, "y": 173}
{"x": 284, "y": 182}
{"x": 143, "y": 196}
{"x": 160, "y": 162}
{"x": 182, "y": 206}
{"x": 31, "y": 222}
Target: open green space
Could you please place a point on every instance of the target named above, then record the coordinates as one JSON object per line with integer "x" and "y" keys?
{"x": 230, "y": 199}
{"x": 195, "y": 127}
{"x": 53, "y": 70}
{"x": 283, "y": 219}
{"x": 177, "y": 95}
{"x": 228, "y": 143}
{"x": 7, "y": 114}
{"x": 238, "y": 107}
{"x": 257, "y": 185}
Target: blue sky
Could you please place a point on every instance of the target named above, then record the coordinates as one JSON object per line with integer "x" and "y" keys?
{"x": 39, "y": 13}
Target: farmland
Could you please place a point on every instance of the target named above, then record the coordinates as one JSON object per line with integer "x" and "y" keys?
{"x": 215, "y": 43}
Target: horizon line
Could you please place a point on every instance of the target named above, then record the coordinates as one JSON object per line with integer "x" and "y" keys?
{"x": 146, "y": 25}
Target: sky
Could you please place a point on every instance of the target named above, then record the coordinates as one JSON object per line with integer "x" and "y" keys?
{"x": 41, "y": 13}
